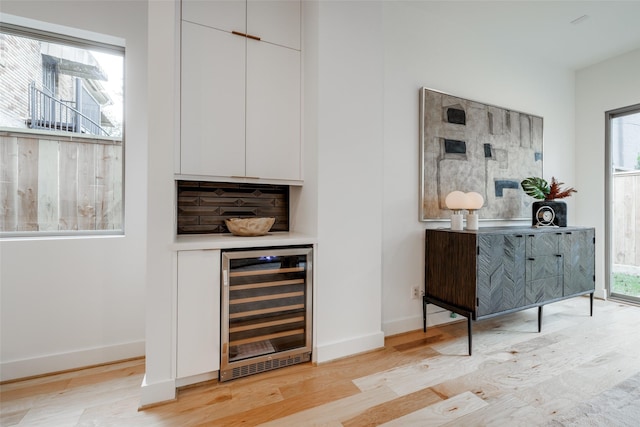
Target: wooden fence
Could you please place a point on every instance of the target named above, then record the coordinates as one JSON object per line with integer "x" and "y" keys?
{"x": 626, "y": 218}
{"x": 54, "y": 182}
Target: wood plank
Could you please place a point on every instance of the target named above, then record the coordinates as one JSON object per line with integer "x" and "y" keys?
{"x": 27, "y": 184}
{"x": 265, "y": 311}
{"x": 442, "y": 412}
{"x": 68, "y": 186}
{"x": 266, "y": 297}
{"x": 266, "y": 284}
{"x": 86, "y": 187}
{"x": 48, "y": 194}
{"x": 8, "y": 183}
{"x": 255, "y": 325}
{"x": 267, "y": 337}
{"x": 237, "y": 273}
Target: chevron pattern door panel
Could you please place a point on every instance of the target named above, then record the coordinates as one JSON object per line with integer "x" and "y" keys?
{"x": 544, "y": 279}
{"x": 501, "y": 273}
{"x": 578, "y": 249}
{"x": 543, "y": 244}
{"x": 544, "y": 267}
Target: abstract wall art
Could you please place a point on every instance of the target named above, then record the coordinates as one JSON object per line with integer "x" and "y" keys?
{"x": 470, "y": 146}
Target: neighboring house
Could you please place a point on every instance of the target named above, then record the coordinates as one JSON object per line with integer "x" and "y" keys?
{"x": 51, "y": 86}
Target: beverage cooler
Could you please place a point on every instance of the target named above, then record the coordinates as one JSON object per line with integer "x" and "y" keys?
{"x": 266, "y": 309}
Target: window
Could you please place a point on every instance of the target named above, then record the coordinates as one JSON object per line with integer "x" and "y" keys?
{"x": 61, "y": 134}
{"x": 623, "y": 203}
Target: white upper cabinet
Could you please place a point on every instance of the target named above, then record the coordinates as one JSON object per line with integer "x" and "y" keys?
{"x": 276, "y": 22}
{"x": 212, "y": 122}
{"x": 273, "y": 21}
{"x": 241, "y": 89}
{"x": 273, "y": 112}
{"x": 225, "y": 15}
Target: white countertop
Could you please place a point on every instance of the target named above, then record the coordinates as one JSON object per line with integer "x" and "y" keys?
{"x": 187, "y": 242}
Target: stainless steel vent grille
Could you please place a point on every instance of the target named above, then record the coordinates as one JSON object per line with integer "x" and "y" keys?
{"x": 254, "y": 368}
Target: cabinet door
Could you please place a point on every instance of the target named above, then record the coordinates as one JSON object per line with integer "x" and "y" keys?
{"x": 198, "y": 329}
{"x": 579, "y": 259}
{"x": 273, "y": 112}
{"x": 544, "y": 268}
{"x": 226, "y": 15}
{"x": 275, "y": 21}
{"x": 212, "y": 124}
{"x": 501, "y": 273}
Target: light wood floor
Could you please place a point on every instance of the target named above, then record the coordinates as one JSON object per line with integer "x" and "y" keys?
{"x": 516, "y": 376}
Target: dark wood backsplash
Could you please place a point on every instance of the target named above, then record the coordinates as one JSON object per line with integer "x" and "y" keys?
{"x": 203, "y": 206}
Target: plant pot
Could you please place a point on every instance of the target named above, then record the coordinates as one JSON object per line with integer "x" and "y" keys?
{"x": 549, "y": 213}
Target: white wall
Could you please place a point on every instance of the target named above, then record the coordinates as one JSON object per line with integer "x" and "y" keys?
{"x": 600, "y": 88}
{"x": 422, "y": 48}
{"x": 350, "y": 176}
{"x": 80, "y": 301}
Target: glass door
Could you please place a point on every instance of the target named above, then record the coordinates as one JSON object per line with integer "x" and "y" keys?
{"x": 623, "y": 197}
{"x": 266, "y": 310}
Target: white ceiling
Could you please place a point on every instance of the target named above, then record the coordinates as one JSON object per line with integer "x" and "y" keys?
{"x": 543, "y": 29}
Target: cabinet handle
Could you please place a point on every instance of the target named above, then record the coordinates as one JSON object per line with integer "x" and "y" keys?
{"x": 559, "y": 255}
{"x": 245, "y": 177}
{"x": 531, "y": 259}
{"x": 249, "y": 36}
{"x": 518, "y": 235}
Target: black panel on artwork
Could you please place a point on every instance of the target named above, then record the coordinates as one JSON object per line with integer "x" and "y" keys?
{"x": 501, "y": 184}
{"x": 456, "y": 116}
{"x": 453, "y": 146}
{"x": 487, "y": 151}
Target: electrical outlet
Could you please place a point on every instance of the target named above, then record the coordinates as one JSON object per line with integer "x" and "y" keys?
{"x": 415, "y": 292}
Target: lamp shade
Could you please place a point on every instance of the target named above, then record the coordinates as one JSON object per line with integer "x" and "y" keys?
{"x": 473, "y": 201}
{"x": 456, "y": 200}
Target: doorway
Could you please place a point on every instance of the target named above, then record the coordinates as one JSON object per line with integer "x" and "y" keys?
{"x": 623, "y": 203}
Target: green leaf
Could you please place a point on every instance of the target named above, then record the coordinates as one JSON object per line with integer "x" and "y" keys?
{"x": 535, "y": 187}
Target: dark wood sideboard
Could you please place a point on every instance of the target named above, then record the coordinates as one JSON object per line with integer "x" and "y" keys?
{"x": 498, "y": 270}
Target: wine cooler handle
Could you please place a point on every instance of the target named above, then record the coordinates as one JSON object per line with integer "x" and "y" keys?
{"x": 225, "y": 278}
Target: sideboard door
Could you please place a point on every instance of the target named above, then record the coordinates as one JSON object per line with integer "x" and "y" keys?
{"x": 578, "y": 248}
{"x": 544, "y": 267}
{"x": 501, "y": 272}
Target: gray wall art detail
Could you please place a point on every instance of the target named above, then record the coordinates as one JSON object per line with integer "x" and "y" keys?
{"x": 470, "y": 146}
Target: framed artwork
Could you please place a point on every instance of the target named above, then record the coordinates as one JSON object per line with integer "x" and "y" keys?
{"x": 470, "y": 146}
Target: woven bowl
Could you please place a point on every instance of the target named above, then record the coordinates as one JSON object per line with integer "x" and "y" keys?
{"x": 249, "y": 226}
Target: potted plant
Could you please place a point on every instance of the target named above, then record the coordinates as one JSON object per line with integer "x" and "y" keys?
{"x": 548, "y": 211}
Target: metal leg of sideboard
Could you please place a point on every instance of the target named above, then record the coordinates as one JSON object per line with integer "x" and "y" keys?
{"x": 540, "y": 318}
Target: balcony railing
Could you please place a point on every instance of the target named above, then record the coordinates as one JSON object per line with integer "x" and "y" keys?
{"x": 50, "y": 113}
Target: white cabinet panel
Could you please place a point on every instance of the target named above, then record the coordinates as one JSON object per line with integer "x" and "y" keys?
{"x": 275, "y": 21}
{"x": 212, "y": 102}
{"x": 198, "y": 329}
{"x": 241, "y": 98}
{"x": 227, "y": 15}
{"x": 273, "y": 111}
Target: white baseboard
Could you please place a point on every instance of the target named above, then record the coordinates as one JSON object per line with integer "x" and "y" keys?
{"x": 158, "y": 392}
{"x": 600, "y": 294}
{"x": 435, "y": 316}
{"x": 73, "y": 360}
{"x": 339, "y": 349}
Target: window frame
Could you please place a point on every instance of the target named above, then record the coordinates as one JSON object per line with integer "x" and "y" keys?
{"x": 87, "y": 40}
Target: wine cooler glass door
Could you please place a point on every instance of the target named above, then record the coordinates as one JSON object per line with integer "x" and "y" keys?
{"x": 266, "y": 307}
